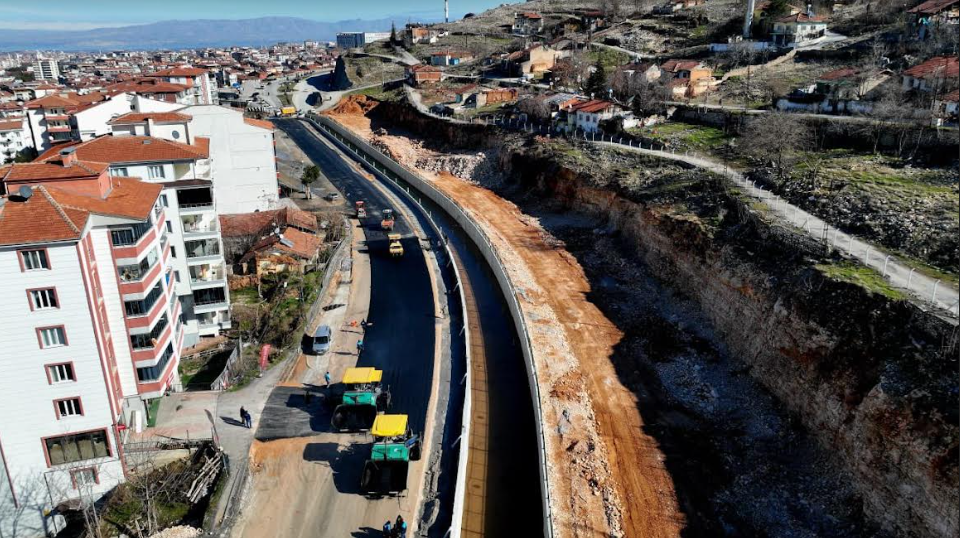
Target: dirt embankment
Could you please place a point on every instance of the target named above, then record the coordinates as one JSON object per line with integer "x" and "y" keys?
{"x": 722, "y": 384}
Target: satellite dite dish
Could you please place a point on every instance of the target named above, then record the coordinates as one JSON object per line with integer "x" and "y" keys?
{"x": 25, "y": 192}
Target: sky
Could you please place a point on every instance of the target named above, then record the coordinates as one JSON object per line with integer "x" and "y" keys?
{"x": 87, "y": 14}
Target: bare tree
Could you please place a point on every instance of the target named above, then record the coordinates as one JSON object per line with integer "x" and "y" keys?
{"x": 776, "y": 136}
{"x": 534, "y": 108}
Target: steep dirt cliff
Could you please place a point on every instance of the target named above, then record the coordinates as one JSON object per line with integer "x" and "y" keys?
{"x": 872, "y": 378}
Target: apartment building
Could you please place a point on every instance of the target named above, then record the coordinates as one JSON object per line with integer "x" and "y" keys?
{"x": 183, "y": 171}
{"x": 91, "y": 327}
{"x": 14, "y": 138}
{"x": 46, "y": 69}
{"x": 200, "y": 89}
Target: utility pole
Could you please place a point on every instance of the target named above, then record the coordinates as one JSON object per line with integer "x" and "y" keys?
{"x": 446, "y": 10}
{"x": 748, "y": 18}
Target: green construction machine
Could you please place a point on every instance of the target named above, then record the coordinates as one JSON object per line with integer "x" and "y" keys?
{"x": 359, "y": 401}
{"x": 394, "y": 447}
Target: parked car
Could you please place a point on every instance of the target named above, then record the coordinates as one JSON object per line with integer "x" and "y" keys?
{"x": 332, "y": 196}
{"x": 321, "y": 340}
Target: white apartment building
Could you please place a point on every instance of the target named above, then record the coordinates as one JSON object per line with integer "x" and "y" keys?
{"x": 46, "y": 69}
{"x": 91, "y": 331}
{"x": 242, "y": 151}
{"x": 200, "y": 89}
{"x": 14, "y": 138}
{"x": 184, "y": 173}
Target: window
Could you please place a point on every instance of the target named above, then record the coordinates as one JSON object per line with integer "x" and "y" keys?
{"x": 60, "y": 373}
{"x": 122, "y": 237}
{"x": 34, "y": 260}
{"x": 163, "y": 200}
{"x": 169, "y": 226}
{"x": 77, "y": 447}
{"x": 173, "y": 251}
{"x": 43, "y": 299}
{"x": 153, "y": 373}
{"x": 135, "y": 272}
{"x": 84, "y": 477}
{"x": 155, "y": 172}
{"x": 176, "y": 275}
{"x": 52, "y": 337}
{"x": 122, "y": 172}
{"x": 149, "y": 340}
{"x": 69, "y": 407}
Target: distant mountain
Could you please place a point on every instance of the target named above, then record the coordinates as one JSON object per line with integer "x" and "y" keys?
{"x": 176, "y": 34}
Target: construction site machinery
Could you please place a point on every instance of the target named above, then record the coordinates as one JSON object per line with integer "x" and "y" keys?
{"x": 288, "y": 111}
{"x": 360, "y": 398}
{"x": 394, "y": 447}
{"x": 361, "y": 210}
{"x": 396, "y": 249}
{"x": 387, "y": 222}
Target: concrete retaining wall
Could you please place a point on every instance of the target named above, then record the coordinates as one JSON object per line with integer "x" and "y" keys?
{"x": 380, "y": 161}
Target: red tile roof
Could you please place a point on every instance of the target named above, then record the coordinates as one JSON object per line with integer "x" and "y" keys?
{"x": 53, "y": 214}
{"x": 147, "y": 86}
{"x": 11, "y": 125}
{"x": 592, "y": 106}
{"x": 529, "y": 15}
{"x": 52, "y": 170}
{"x": 304, "y": 245}
{"x": 952, "y": 97}
{"x": 800, "y": 17}
{"x": 158, "y": 117}
{"x": 263, "y": 124}
{"x": 263, "y": 222}
{"x": 132, "y": 149}
{"x": 932, "y": 7}
{"x": 674, "y": 66}
{"x": 839, "y": 74}
{"x": 179, "y": 72}
{"x": 943, "y": 66}
{"x": 67, "y": 100}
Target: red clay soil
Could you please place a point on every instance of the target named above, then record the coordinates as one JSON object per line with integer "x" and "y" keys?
{"x": 606, "y": 476}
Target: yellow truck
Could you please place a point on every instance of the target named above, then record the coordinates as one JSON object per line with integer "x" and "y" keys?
{"x": 288, "y": 111}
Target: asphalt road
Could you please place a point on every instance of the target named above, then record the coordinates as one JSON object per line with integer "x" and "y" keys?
{"x": 401, "y": 340}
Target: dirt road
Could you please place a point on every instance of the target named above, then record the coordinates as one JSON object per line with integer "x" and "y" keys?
{"x": 607, "y": 476}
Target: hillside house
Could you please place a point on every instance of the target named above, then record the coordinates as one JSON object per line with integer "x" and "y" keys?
{"x": 798, "y": 29}
{"x": 948, "y": 109}
{"x": 527, "y": 23}
{"x": 933, "y": 13}
{"x": 494, "y": 96}
{"x": 534, "y": 59}
{"x": 934, "y": 75}
{"x": 690, "y": 78}
{"x": 838, "y": 91}
{"x": 587, "y": 115}
{"x": 448, "y": 57}
{"x": 419, "y": 75}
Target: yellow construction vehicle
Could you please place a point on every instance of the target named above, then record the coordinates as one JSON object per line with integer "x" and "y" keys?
{"x": 396, "y": 249}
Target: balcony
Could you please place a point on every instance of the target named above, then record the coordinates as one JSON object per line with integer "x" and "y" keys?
{"x": 207, "y": 275}
{"x": 209, "y": 300}
{"x": 202, "y": 249}
{"x": 203, "y": 223}
{"x": 142, "y": 307}
{"x": 56, "y": 116}
{"x": 195, "y": 200}
{"x": 129, "y": 235}
{"x": 214, "y": 320}
{"x": 137, "y": 272}
{"x": 58, "y": 128}
{"x": 144, "y": 341}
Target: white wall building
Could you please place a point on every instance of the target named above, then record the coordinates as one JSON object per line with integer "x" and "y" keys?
{"x": 46, "y": 69}
{"x": 14, "y": 138}
{"x": 92, "y": 323}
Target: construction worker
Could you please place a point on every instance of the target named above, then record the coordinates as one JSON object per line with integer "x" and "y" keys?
{"x": 400, "y": 527}
{"x": 359, "y": 347}
{"x": 388, "y": 529}
{"x": 326, "y": 377}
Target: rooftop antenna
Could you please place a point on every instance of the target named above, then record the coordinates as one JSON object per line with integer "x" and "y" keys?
{"x": 446, "y": 10}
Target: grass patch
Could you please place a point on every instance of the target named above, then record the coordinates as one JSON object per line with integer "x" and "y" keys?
{"x": 378, "y": 93}
{"x": 863, "y": 276}
{"x": 685, "y": 135}
{"x": 246, "y": 295}
{"x": 153, "y": 411}
{"x": 609, "y": 59}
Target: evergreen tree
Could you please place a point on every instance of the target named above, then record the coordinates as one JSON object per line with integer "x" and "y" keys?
{"x": 393, "y": 33}
{"x": 597, "y": 82}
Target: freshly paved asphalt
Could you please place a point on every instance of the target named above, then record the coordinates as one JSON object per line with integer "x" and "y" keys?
{"x": 401, "y": 340}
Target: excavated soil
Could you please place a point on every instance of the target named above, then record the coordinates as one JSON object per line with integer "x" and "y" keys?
{"x": 607, "y": 476}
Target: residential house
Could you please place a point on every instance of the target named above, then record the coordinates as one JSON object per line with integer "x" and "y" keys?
{"x": 948, "y": 108}
{"x": 415, "y": 34}
{"x": 591, "y": 20}
{"x": 527, "y": 23}
{"x": 933, "y": 13}
{"x": 798, "y": 29}
{"x": 587, "y": 115}
{"x": 689, "y": 77}
{"x": 199, "y": 88}
{"x": 932, "y": 76}
{"x": 153, "y": 88}
{"x": 495, "y": 95}
{"x": 447, "y": 57}
{"x": 534, "y": 59}
{"x": 461, "y": 94}
{"x": 838, "y": 91}
{"x": 92, "y": 320}
{"x": 184, "y": 173}
{"x": 14, "y": 138}
{"x": 290, "y": 250}
{"x": 423, "y": 74}
{"x": 241, "y": 231}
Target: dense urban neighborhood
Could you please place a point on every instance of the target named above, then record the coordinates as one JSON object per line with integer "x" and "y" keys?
{"x": 559, "y": 268}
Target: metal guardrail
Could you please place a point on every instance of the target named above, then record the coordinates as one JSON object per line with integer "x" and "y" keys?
{"x": 492, "y": 256}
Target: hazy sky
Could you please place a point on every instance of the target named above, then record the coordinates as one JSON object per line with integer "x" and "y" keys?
{"x": 86, "y": 14}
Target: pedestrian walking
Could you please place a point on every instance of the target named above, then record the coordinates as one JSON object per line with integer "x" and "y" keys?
{"x": 243, "y": 416}
{"x": 359, "y": 347}
{"x": 326, "y": 377}
{"x": 388, "y": 529}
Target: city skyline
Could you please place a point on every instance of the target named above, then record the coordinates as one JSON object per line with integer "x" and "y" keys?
{"x": 61, "y": 15}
